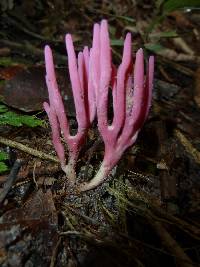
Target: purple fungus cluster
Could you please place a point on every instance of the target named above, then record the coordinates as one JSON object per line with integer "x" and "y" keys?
{"x": 92, "y": 75}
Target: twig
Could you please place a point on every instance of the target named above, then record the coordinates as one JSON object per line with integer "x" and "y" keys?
{"x": 21, "y": 27}
{"x": 29, "y": 49}
{"x": 177, "y": 66}
{"x": 156, "y": 213}
{"x": 34, "y": 167}
{"x": 188, "y": 146}
{"x": 10, "y": 180}
{"x": 88, "y": 237}
{"x": 197, "y": 87}
{"x": 171, "y": 245}
{"x": 55, "y": 252}
{"x": 181, "y": 44}
{"x": 86, "y": 218}
{"x": 188, "y": 228}
{"x": 173, "y": 55}
{"x": 28, "y": 150}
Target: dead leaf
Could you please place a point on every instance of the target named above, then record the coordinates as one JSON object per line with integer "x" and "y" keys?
{"x": 38, "y": 217}
{"x": 10, "y": 72}
{"x": 181, "y": 19}
{"x": 40, "y": 206}
{"x": 27, "y": 89}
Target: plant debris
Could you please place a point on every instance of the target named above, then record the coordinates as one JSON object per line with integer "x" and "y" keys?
{"x": 147, "y": 212}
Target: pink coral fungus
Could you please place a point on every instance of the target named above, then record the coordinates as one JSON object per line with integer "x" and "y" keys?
{"x": 92, "y": 76}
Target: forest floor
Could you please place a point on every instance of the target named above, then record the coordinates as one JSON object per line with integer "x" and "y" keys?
{"x": 148, "y": 211}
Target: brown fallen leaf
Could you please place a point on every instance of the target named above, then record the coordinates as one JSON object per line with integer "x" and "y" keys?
{"x": 27, "y": 90}
{"x": 4, "y": 51}
{"x": 181, "y": 19}
{"x": 38, "y": 217}
{"x": 10, "y": 72}
{"x": 40, "y": 206}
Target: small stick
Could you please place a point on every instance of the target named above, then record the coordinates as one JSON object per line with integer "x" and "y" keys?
{"x": 27, "y": 149}
{"x": 11, "y": 179}
{"x": 29, "y": 49}
{"x": 171, "y": 245}
{"x": 188, "y": 146}
{"x": 55, "y": 252}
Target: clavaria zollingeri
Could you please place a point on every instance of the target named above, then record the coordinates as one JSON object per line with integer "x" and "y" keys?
{"x": 92, "y": 76}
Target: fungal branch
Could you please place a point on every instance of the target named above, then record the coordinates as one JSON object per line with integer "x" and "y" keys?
{"x": 55, "y": 109}
{"x": 91, "y": 77}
